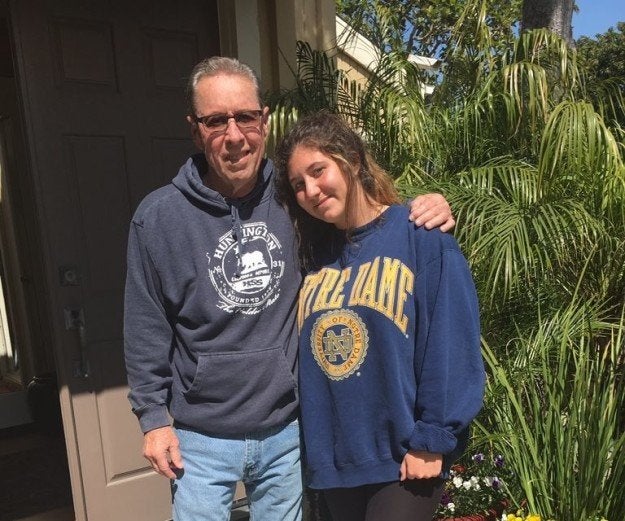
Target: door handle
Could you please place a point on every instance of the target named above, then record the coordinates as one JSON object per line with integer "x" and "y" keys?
{"x": 75, "y": 321}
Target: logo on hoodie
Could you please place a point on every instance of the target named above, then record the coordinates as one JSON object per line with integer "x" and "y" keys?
{"x": 246, "y": 273}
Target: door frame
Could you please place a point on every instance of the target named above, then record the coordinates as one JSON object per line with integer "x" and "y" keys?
{"x": 48, "y": 298}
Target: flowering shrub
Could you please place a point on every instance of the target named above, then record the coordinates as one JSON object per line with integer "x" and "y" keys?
{"x": 519, "y": 517}
{"x": 535, "y": 517}
{"x": 477, "y": 484}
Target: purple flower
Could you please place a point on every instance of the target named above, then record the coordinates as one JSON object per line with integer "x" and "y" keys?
{"x": 496, "y": 484}
{"x": 478, "y": 458}
{"x": 445, "y": 499}
{"x": 498, "y": 461}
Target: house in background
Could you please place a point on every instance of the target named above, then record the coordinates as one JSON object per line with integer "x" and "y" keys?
{"x": 92, "y": 118}
{"x": 356, "y": 57}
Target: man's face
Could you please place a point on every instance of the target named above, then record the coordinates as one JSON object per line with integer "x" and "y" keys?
{"x": 233, "y": 154}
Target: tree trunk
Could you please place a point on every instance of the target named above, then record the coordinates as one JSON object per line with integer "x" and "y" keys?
{"x": 555, "y": 15}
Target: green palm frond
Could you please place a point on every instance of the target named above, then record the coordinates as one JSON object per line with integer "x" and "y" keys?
{"x": 579, "y": 153}
{"x": 549, "y": 50}
{"x": 392, "y": 113}
{"x": 512, "y": 233}
{"x": 526, "y": 90}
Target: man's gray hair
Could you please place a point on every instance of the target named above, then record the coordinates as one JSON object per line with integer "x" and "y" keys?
{"x": 219, "y": 65}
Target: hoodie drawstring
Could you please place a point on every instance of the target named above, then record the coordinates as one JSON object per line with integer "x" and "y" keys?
{"x": 237, "y": 235}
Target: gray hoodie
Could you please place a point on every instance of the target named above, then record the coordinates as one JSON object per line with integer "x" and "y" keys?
{"x": 210, "y": 305}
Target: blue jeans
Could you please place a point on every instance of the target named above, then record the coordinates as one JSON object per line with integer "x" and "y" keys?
{"x": 267, "y": 462}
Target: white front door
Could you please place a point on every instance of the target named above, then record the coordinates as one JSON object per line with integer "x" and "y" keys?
{"x": 102, "y": 88}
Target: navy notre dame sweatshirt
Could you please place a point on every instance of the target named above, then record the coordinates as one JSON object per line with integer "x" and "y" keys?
{"x": 389, "y": 352}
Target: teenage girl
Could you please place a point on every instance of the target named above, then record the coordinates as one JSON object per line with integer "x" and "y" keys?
{"x": 390, "y": 367}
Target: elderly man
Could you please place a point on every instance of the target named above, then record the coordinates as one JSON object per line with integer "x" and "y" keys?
{"x": 210, "y": 334}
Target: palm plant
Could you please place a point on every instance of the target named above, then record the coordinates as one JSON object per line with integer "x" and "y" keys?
{"x": 317, "y": 86}
{"x": 541, "y": 172}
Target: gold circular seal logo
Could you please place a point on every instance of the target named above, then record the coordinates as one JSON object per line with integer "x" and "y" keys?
{"x": 339, "y": 343}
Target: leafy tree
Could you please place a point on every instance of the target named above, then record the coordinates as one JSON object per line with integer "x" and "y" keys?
{"x": 602, "y": 61}
{"x": 603, "y": 57}
{"x": 424, "y": 27}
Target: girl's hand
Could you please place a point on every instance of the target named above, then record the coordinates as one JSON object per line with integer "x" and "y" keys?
{"x": 418, "y": 464}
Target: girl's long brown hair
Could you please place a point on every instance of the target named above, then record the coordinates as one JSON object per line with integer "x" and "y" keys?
{"x": 332, "y": 136}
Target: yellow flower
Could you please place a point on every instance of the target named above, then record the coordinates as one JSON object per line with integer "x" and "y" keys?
{"x": 532, "y": 517}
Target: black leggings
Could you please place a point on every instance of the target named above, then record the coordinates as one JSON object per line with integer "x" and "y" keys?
{"x": 410, "y": 500}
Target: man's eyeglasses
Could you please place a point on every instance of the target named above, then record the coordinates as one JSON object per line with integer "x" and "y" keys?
{"x": 218, "y": 123}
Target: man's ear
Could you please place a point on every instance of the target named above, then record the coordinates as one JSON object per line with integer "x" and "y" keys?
{"x": 195, "y": 133}
{"x": 265, "y": 120}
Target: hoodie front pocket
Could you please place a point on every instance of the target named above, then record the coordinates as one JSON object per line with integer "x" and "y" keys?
{"x": 242, "y": 378}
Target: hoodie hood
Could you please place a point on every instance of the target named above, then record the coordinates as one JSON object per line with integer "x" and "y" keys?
{"x": 189, "y": 182}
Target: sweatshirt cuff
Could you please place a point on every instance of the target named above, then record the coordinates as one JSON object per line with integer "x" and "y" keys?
{"x": 153, "y": 417}
{"x": 433, "y": 439}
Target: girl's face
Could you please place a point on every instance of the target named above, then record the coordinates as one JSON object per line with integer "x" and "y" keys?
{"x": 321, "y": 188}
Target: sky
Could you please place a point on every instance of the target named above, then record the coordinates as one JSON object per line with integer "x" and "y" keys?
{"x": 597, "y": 16}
